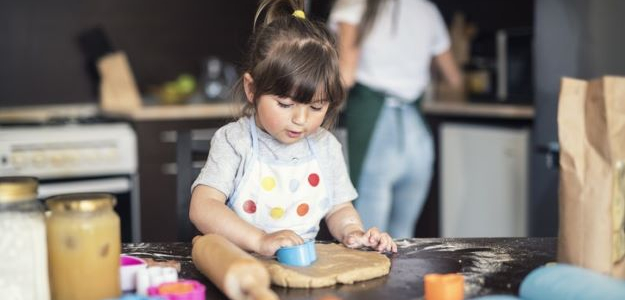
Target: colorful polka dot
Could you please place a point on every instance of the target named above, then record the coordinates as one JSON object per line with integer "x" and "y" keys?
{"x": 313, "y": 179}
{"x": 293, "y": 185}
{"x": 302, "y": 209}
{"x": 249, "y": 207}
{"x": 276, "y": 213}
{"x": 268, "y": 183}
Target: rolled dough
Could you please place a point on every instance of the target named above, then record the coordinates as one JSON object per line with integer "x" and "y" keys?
{"x": 335, "y": 264}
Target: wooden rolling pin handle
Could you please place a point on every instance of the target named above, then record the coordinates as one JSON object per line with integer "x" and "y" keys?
{"x": 262, "y": 293}
{"x": 235, "y": 272}
{"x": 248, "y": 279}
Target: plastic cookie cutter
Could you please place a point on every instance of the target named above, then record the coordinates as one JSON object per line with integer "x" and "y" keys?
{"x": 129, "y": 267}
{"x": 299, "y": 256}
{"x": 179, "y": 290}
{"x": 444, "y": 287}
{"x": 154, "y": 276}
{"x": 136, "y": 297}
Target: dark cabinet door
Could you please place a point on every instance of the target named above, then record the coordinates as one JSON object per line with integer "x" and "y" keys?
{"x": 157, "y": 175}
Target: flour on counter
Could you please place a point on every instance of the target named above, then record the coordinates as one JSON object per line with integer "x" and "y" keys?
{"x": 475, "y": 263}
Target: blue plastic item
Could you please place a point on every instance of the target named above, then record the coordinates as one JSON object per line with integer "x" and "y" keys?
{"x": 312, "y": 251}
{"x": 497, "y": 297}
{"x": 566, "y": 282}
{"x": 137, "y": 297}
{"x": 299, "y": 256}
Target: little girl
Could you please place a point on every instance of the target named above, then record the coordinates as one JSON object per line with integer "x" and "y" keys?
{"x": 271, "y": 176}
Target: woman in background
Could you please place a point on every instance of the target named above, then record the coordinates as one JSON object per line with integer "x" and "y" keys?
{"x": 386, "y": 48}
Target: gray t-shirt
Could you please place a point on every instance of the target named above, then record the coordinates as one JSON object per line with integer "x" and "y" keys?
{"x": 231, "y": 148}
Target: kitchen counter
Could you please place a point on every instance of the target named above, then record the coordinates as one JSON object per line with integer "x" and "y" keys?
{"x": 229, "y": 110}
{"x": 490, "y": 266}
{"x": 469, "y": 109}
{"x": 226, "y": 110}
{"x": 43, "y": 113}
{"x": 217, "y": 110}
{"x": 221, "y": 110}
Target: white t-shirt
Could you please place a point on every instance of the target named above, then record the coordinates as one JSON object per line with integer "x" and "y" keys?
{"x": 231, "y": 149}
{"x": 395, "y": 56}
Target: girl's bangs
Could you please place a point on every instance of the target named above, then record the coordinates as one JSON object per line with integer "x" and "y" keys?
{"x": 302, "y": 77}
{"x": 305, "y": 85}
{"x": 307, "y": 88}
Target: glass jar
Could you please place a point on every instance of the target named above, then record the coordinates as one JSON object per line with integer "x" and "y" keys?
{"x": 84, "y": 245}
{"x": 23, "y": 254}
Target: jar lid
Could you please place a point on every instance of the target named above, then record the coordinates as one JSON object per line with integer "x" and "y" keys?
{"x": 84, "y": 202}
{"x": 17, "y": 189}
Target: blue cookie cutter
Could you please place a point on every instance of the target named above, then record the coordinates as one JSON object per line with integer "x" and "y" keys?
{"x": 299, "y": 256}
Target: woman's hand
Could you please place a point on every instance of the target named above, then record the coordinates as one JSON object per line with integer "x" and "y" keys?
{"x": 271, "y": 242}
{"x": 374, "y": 238}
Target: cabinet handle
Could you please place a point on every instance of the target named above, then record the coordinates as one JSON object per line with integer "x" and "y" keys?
{"x": 169, "y": 136}
{"x": 169, "y": 169}
{"x": 551, "y": 151}
{"x": 172, "y": 169}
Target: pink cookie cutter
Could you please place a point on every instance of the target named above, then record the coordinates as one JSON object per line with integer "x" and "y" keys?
{"x": 180, "y": 290}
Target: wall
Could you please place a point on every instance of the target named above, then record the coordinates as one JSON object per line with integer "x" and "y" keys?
{"x": 42, "y": 62}
{"x": 490, "y": 15}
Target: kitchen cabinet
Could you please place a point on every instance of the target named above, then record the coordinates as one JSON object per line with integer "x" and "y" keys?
{"x": 157, "y": 173}
{"x": 466, "y": 115}
{"x": 483, "y": 184}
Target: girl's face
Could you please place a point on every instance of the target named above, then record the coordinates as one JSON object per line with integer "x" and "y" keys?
{"x": 286, "y": 120}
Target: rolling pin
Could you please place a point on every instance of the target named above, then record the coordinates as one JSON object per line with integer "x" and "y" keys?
{"x": 235, "y": 272}
{"x": 563, "y": 281}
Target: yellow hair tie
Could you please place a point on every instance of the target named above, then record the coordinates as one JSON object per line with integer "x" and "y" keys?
{"x": 299, "y": 14}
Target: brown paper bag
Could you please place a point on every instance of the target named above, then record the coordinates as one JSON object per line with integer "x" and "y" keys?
{"x": 591, "y": 128}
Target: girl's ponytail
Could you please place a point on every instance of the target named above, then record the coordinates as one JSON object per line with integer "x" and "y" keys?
{"x": 276, "y": 9}
{"x": 291, "y": 56}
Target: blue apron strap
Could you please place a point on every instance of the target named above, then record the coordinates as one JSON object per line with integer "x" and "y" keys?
{"x": 238, "y": 178}
{"x": 311, "y": 146}
{"x": 254, "y": 135}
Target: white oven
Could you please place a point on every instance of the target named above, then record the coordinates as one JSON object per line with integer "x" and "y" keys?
{"x": 75, "y": 157}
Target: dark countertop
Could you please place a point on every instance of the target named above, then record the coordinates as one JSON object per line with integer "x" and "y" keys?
{"x": 490, "y": 266}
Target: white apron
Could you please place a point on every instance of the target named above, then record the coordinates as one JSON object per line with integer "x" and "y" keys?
{"x": 278, "y": 194}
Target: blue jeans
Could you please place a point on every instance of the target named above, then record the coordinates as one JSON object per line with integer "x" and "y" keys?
{"x": 397, "y": 170}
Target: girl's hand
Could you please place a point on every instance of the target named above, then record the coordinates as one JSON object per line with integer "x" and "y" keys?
{"x": 271, "y": 242}
{"x": 380, "y": 241}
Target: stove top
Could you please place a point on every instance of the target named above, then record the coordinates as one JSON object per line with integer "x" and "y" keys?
{"x": 62, "y": 146}
{"x": 60, "y": 121}
{"x": 52, "y": 115}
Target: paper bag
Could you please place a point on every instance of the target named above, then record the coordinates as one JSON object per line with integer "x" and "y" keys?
{"x": 118, "y": 90}
{"x": 591, "y": 129}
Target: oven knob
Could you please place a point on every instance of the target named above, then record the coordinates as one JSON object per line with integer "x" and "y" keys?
{"x": 111, "y": 155}
{"x": 87, "y": 156}
{"x": 75, "y": 156}
{"x": 57, "y": 159}
{"x": 18, "y": 160}
{"x": 38, "y": 159}
{"x": 71, "y": 157}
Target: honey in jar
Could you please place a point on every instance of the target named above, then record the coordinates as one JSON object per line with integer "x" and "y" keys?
{"x": 84, "y": 246}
